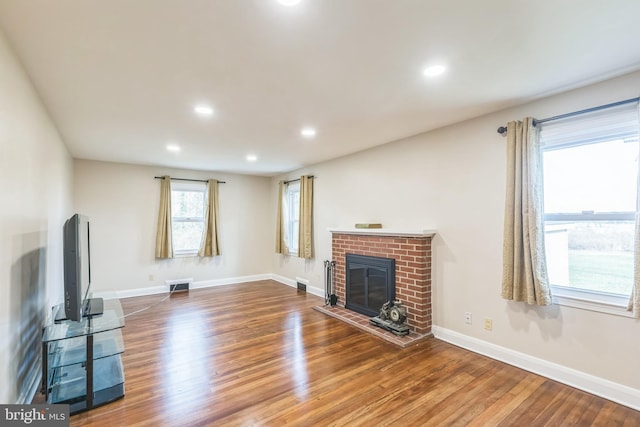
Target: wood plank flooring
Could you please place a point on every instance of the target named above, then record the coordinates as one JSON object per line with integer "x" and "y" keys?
{"x": 257, "y": 354}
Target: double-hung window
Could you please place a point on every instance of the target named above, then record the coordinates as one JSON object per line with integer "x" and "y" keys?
{"x": 187, "y": 216}
{"x": 291, "y": 211}
{"x": 590, "y": 179}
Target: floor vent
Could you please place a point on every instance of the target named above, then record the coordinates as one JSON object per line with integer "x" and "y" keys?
{"x": 179, "y": 285}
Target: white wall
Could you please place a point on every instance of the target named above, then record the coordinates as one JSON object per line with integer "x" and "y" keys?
{"x": 122, "y": 204}
{"x": 35, "y": 186}
{"x": 453, "y": 180}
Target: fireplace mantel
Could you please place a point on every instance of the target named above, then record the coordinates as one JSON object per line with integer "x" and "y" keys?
{"x": 384, "y": 232}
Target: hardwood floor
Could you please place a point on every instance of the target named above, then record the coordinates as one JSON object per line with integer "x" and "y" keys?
{"x": 258, "y": 354}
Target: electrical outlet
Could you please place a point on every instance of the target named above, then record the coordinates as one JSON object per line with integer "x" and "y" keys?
{"x": 152, "y": 277}
{"x": 488, "y": 324}
{"x": 467, "y": 318}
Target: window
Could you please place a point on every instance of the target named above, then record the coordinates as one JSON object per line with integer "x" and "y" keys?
{"x": 292, "y": 216}
{"x": 590, "y": 176}
{"x": 188, "y": 202}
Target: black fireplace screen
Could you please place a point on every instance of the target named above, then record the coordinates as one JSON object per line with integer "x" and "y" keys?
{"x": 370, "y": 282}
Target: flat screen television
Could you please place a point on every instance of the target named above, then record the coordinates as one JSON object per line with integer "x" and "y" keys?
{"x": 77, "y": 270}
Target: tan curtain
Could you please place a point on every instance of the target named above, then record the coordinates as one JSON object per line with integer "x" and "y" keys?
{"x": 281, "y": 243}
{"x": 210, "y": 245}
{"x": 306, "y": 217}
{"x": 524, "y": 275}
{"x": 164, "y": 247}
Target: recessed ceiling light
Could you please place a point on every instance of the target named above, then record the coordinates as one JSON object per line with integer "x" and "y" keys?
{"x": 288, "y": 2}
{"x": 308, "y": 132}
{"x": 173, "y": 148}
{"x": 252, "y": 158}
{"x": 434, "y": 70}
{"x": 203, "y": 110}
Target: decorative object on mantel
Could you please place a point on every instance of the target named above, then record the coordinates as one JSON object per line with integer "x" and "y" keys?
{"x": 367, "y": 225}
{"x": 392, "y": 316}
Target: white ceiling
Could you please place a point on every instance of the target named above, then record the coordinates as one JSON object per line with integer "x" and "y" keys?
{"x": 120, "y": 78}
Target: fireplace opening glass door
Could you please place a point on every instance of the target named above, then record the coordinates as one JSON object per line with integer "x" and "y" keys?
{"x": 370, "y": 283}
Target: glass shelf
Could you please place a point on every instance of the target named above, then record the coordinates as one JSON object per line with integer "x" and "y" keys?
{"x": 112, "y": 318}
{"x": 69, "y": 383}
{"x": 74, "y": 350}
{"x": 81, "y": 376}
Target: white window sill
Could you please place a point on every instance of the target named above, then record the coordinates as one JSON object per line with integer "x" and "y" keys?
{"x": 185, "y": 254}
{"x": 601, "y": 302}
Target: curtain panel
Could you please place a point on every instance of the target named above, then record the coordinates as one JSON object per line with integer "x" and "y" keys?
{"x": 305, "y": 244}
{"x": 164, "y": 246}
{"x": 524, "y": 275}
{"x": 210, "y": 245}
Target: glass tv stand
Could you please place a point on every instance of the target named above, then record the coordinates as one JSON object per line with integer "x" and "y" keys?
{"x": 82, "y": 361}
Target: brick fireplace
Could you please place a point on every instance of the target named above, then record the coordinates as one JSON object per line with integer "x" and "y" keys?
{"x": 412, "y": 254}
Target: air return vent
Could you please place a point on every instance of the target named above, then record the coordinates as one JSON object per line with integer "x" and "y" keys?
{"x": 301, "y": 284}
{"x": 179, "y": 285}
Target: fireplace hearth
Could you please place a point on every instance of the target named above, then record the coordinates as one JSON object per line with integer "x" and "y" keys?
{"x": 370, "y": 282}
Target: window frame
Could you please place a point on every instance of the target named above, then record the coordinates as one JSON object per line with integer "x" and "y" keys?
{"x": 197, "y": 187}
{"x": 600, "y": 301}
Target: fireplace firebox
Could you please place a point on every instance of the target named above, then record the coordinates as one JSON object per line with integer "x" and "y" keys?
{"x": 370, "y": 282}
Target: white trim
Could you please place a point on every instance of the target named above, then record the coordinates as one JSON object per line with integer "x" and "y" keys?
{"x": 294, "y": 284}
{"x": 153, "y": 290}
{"x": 284, "y": 280}
{"x": 383, "y": 232}
{"x": 130, "y": 293}
{"x": 602, "y": 302}
{"x": 230, "y": 281}
{"x": 615, "y": 392}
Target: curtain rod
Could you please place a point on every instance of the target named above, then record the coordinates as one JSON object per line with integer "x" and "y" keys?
{"x": 503, "y": 129}
{"x": 298, "y": 179}
{"x": 186, "y": 179}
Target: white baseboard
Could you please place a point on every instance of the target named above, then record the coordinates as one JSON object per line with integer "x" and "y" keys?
{"x": 294, "y": 284}
{"x": 130, "y": 293}
{"x": 160, "y": 289}
{"x": 152, "y": 290}
{"x": 615, "y": 392}
{"x": 230, "y": 281}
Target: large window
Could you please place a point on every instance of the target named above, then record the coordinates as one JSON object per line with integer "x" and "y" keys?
{"x": 292, "y": 216}
{"x": 187, "y": 216}
{"x": 590, "y": 174}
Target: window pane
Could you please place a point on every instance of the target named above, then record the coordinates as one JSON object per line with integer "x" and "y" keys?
{"x": 187, "y": 204}
{"x": 592, "y": 255}
{"x": 186, "y": 235}
{"x": 294, "y": 233}
{"x": 598, "y": 177}
{"x": 187, "y": 212}
{"x": 295, "y": 204}
{"x": 293, "y": 215}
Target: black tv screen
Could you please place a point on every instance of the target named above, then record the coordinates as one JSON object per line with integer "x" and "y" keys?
{"x": 77, "y": 265}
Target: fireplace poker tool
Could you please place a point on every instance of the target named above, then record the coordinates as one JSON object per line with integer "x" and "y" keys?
{"x": 330, "y": 296}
